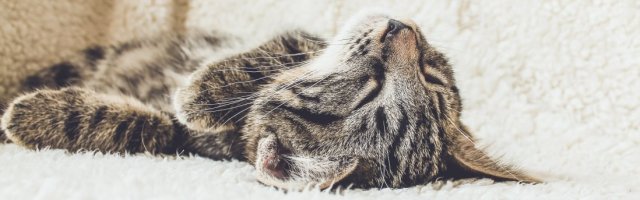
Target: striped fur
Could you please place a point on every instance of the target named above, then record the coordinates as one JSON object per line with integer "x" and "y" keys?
{"x": 77, "y": 119}
{"x": 378, "y": 107}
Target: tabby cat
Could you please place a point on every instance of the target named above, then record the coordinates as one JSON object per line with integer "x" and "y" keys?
{"x": 375, "y": 107}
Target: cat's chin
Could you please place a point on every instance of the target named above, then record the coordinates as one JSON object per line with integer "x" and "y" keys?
{"x": 290, "y": 172}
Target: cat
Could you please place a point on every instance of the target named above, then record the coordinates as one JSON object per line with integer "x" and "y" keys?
{"x": 376, "y": 106}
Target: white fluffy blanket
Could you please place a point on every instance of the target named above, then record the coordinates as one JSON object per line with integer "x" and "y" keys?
{"x": 551, "y": 86}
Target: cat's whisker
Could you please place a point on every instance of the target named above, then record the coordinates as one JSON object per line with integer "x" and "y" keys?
{"x": 267, "y": 113}
{"x": 240, "y": 82}
{"x": 274, "y": 56}
{"x": 268, "y": 99}
{"x": 277, "y": 67}
{"x": 294, "y": 82}
{"x": 249, "y": 81}
{"x": 224, "y": 109}
{"x": 246, "y": 95}
{"x": 252, "y": 102}
{"x": 269, "y": 65}
{"x": 225, "y": 103}
{"x": 215, "y": 109}
{"x": 234, "y": 99}
{"x": 225, "y": 106}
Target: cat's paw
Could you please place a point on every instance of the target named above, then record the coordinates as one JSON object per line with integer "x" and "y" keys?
{"x": 75, "y": 119}
{"x": 29, "y": 117}
{"x": 205, "y": 104}
{"x": 218, "y": 95}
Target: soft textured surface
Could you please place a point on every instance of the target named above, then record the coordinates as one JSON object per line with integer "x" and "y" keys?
{"x": 549, "y": 86}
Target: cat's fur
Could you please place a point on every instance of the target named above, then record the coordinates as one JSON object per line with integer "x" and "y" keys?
{"x": 375, "y": 107}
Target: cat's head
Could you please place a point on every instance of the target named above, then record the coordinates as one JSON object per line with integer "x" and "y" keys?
{"x": 377, "y": 108}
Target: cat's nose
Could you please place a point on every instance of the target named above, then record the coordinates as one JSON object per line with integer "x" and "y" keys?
{"x": 394, "y": 27}
{"x": 400, "y": 40}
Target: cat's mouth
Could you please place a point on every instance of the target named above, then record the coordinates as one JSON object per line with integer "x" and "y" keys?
{"x": 279, "y": 168}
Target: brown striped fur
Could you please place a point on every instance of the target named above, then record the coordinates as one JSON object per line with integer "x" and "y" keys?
{"x": 376, "y": 107}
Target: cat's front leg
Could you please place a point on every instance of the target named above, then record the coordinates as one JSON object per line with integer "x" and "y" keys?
{"x": 77, "y": 119}
{"x": 217, "y": 96}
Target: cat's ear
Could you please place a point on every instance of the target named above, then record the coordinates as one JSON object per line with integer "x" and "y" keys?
{"x": 302, "y": 173}
{"x": 287, "y": 171}
{"x": 469, "y": 159}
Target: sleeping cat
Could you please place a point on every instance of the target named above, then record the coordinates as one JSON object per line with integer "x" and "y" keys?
{"x": 377, "y": 106}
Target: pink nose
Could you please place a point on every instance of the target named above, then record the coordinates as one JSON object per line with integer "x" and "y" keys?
{"x": 394, "y": 26}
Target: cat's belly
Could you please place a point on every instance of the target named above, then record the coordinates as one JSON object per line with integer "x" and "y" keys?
{"x": 152, "y": 72}
{"x": 152, "y": 87}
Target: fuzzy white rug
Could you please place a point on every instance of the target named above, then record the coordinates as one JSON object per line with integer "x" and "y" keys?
{"x": 551, "y": 86}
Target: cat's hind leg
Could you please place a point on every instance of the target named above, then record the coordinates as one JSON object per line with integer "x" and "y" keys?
{"x": 77, "y": 119}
